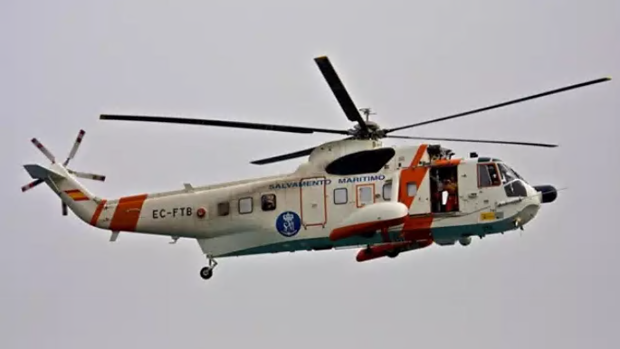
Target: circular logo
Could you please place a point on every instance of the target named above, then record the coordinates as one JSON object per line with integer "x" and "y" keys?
{"x": 288, "y": 223}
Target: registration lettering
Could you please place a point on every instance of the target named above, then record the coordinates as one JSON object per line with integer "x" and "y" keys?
{"x": 172, "y": 212}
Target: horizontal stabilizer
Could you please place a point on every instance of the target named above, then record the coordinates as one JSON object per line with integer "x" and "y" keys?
{"x": 40, "y": 172}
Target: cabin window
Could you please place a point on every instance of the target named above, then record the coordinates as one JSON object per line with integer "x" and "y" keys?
{"x": 488, "y": 175}
{"x": 246, "y": 205}
{"x": 364, "y": 195}
{"x": 341, "y": 196}
{"x": 223, "y": 208}
{"x": 412, "y": 189}
{"x": 387, "y": 191}
{"x": 268, "y": 202}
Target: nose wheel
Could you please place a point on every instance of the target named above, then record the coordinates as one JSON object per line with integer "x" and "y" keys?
{"x": 207, "y": 272}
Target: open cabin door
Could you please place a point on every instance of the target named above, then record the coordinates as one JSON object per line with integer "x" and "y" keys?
{"x": 444, "y": 187}
{"x": 313, "y": 196}
{"x": 414, "y": 189}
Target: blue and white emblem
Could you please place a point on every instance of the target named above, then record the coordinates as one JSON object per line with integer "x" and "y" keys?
{"x": 288, "y": 223}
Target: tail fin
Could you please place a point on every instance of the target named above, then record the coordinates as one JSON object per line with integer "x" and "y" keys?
{"x": 64, "y": 183}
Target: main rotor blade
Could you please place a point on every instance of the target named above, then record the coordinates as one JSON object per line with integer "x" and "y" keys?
{"x": 340, "y": 92}
{"x": 283, "y": 157}
{"x": 476, "y": 141}
{"x": 571, "y": 87}
{"x": 222, "y": 123}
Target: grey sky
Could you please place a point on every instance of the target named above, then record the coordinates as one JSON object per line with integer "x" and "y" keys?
{"x": 64, "y": 62}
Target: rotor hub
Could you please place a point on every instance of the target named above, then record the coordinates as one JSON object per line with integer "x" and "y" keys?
{"x": 372, "y": 131}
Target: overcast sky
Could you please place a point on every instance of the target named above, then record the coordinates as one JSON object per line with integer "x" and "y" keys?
{"x": 63, "y": 285}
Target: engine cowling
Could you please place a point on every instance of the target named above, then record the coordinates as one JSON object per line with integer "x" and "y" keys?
{"x": 371, "y": 218}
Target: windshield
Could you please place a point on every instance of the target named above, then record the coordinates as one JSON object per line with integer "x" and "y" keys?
{"x": 508, "y": 174}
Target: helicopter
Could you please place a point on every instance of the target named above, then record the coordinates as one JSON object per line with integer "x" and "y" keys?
{"x": 353, "y": 192}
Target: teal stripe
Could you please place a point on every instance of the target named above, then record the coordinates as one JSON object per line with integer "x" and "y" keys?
{"x": 444, "y": 233}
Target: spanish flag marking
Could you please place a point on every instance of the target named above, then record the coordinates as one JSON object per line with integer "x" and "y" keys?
{"x": 76, "y": 195}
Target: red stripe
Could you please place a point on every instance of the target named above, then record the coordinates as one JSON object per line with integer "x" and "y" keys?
{"x": 98, "y": 210}
{"x": 127, "y": 213}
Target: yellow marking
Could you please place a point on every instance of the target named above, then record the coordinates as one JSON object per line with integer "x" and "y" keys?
{"x": 487, "y": 216}
{"x": 76, "y": 195}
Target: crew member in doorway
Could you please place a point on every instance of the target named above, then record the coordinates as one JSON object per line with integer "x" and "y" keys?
{"x": 438, "y": 192}
{"x": 451, "y": 187}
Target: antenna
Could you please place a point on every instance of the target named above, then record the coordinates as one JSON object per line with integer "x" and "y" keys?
{"x": 367, "y": 112}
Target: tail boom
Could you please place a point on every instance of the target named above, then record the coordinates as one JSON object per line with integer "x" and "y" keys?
{"x": 130, "y": 214}
{"x": 70, "y": 191}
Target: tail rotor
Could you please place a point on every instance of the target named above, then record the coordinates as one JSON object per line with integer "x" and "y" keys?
{"x": 48, "y": 155}
{"x": 52, "y": 159}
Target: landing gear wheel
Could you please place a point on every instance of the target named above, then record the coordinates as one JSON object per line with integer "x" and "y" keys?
{"x": 393, "y": 254}
{"x": 206, "y": 273}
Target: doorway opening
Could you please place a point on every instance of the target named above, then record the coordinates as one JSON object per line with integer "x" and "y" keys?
{"x": 444, "y": 189}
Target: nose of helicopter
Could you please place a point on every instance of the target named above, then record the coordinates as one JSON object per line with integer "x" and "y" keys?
{"x": 548, "y": 193}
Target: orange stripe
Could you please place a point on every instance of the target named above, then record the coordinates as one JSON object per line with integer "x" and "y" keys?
{"x": 412, "y": 174}
{"x": 95, "y": 218}
{"x": 418, "y": 228}
{"x": 361, "y": 228}
{"x": 415, "y": 228}
{"x": 127, "y": 213}
{"x": 446, "y": 162}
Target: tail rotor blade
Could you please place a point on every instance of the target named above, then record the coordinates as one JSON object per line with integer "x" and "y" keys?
{"x": 85, "y": 175}
{"x": 43, "y": 150}
{"x": 31, "y": 185}
{"x": 76, "y": 145}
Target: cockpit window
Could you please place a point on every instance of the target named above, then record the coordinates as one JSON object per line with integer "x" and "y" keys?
{"x": 515, "y": 189}
{"x": 488, "y": 175}
{"x": 513, "y": 181}
{"x": 508, "y": 174}
{"x": 517, "y": 174}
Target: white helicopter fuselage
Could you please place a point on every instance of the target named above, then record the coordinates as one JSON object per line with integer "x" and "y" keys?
{"x": 351, "y": 192}
{"x": 399, "y": 207}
